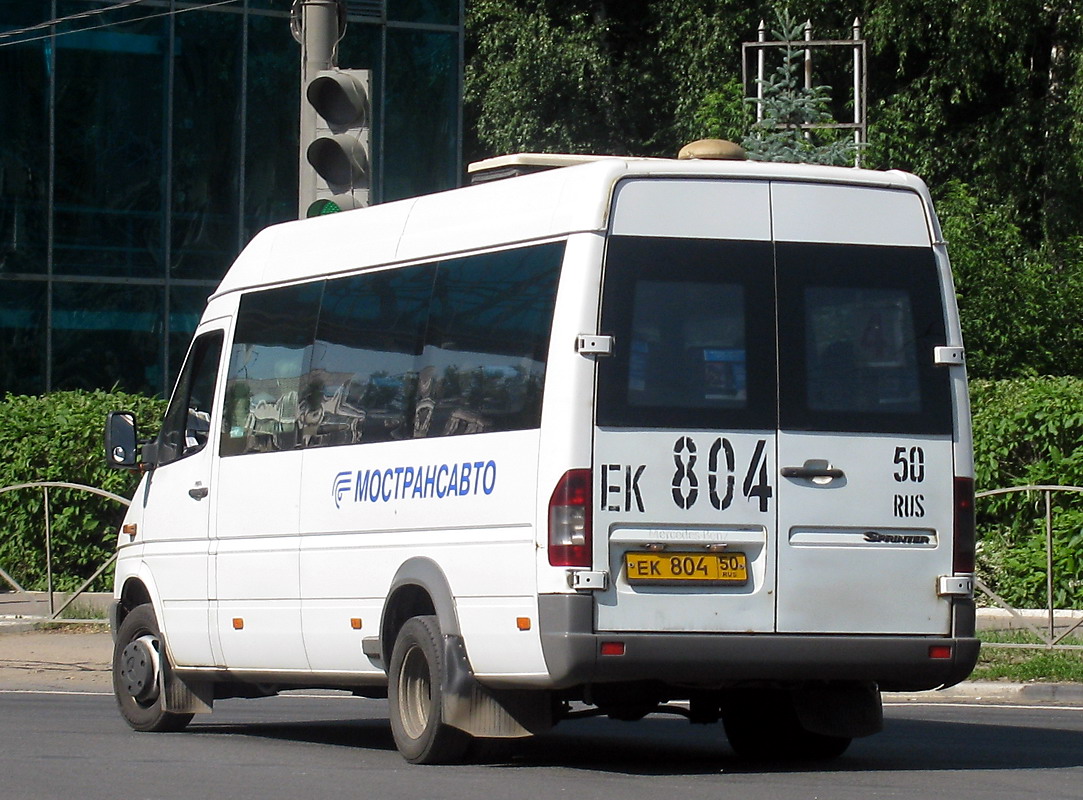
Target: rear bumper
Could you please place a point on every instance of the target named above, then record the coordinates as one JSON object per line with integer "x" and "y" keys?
{"x": 895, "y": 663}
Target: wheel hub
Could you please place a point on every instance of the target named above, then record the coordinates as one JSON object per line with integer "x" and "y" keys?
{"x": 139, "y": 669}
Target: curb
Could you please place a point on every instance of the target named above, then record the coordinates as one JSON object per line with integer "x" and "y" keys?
{"x": 996, "y": 692}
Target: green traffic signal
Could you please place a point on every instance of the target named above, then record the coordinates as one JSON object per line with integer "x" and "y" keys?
{"x": 321, "y": 207}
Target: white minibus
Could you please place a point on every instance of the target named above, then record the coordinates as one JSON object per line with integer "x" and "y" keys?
{"x": 618, "y": 437}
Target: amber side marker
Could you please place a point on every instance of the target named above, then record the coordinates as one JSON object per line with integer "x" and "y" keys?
{"x": 522, "y": 623}
{"x": 355, "y": 623}
{"x": 238, "y": 624}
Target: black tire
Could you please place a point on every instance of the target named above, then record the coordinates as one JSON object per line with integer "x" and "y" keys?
{"x": 138, "y": 658}
{"x": 415, "y": 695}
{"x": 763, "y": 726}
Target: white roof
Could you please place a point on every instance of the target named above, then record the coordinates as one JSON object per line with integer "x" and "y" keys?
{"x": 547, "y": 204}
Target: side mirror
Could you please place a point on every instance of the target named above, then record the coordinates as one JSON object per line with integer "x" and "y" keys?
{"x": 121, "y": 446}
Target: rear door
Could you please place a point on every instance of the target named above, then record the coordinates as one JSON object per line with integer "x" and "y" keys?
{"x": 684, "y": 515}
{"x": 773, "y": 445}
{"x": 865, "y": 448}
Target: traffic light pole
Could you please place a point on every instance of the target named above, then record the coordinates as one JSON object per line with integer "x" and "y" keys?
{"x": 319, "y": 35}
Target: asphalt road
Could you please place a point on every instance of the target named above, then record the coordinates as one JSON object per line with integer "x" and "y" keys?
{"x": 60, "y": 746}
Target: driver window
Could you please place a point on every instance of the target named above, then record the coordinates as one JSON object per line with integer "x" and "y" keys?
{"x": 187, "y": 424}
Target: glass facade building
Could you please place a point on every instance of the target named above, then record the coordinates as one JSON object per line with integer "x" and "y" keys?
{"x": 143, "y": 144}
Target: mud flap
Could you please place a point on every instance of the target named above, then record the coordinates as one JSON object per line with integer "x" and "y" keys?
{"x": 184, "y": 697}
{"x": 484, "y": 712}
{"x": 848, "y": 710}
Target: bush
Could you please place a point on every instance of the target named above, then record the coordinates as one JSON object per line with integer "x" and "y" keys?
{"x": 1019, "y": 304}
{"x": 58, "y": 437}
{"x": 1028, "y": 431}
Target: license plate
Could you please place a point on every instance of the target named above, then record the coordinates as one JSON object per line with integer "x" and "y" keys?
{"x": 687, "y": 568}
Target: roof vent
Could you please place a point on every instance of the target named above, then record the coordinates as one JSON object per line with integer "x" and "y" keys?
{"x": 715, "y": 149}
{"x": 510, "y": 166}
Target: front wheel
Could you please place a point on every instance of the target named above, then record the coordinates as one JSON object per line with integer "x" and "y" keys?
{"x": 415, "y": 695}
{"x": 138, "y": 659}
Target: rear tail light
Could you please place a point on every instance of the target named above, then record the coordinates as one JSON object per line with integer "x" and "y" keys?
{"x": 940, "y": 651}
{"x": 963, "y": 551}
{"x": 570, "y": 520}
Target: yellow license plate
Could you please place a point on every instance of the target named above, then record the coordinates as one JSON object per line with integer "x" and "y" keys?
{"x": 703, "y": 568}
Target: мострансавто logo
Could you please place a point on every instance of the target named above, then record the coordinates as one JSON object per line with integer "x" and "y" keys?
{"x": 437, "y": 481}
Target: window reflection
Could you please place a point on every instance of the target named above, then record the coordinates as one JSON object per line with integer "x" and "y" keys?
{"x": 483, "y": 364}
{"x": 268, "y": 357}
{"x": 860, "y": 350}
{"x": 688, "y": 345}
{"x": 105, "y": 335}
{"x": 22, "y": 337}
{"x": 433, "y": 350}
{"x": 187, "y": 424}
{"x": 363, "y": 379}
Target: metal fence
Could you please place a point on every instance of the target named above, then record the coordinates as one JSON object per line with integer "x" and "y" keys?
{"x": 1050, "y": 638}
{"x": 45, "y": 486}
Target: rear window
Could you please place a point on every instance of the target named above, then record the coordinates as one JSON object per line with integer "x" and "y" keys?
{"x": 857, "y": 329}
{"x": 694, "y": 327}
{"x": 698, "y": 346}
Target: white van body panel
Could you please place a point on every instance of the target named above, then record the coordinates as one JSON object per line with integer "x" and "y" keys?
{"x": 811, "y": 212}
{"x": 456, "y": 500}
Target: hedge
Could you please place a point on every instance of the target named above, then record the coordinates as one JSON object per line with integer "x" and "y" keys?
{"x": 1026, "y": 431}
{"x": 1029, "y": 431}
{"x": 58, "y": 437}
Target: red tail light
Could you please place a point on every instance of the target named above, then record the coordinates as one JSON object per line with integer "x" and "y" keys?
{"x": 570, "y": 519}
{"x": 963, "y": 551}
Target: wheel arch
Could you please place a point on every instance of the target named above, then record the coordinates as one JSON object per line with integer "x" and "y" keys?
{"x": 137, "y": 589}
{"x": 418, "y": 588}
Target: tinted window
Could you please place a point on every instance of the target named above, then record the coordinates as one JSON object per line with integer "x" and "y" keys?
{"x": 268, "y": 358}
{"x": 483, "y": 364}
{"x": 363, "y": 375}
{"x": 433, "y": 350}
{"x": 694, "y": 330}
{"x": 187, "y": 424}
{"x": 857, "y": 337}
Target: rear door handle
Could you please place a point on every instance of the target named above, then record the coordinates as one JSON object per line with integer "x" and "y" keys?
{"x": 198, "y": 492}
{"x": 812, "y": 472}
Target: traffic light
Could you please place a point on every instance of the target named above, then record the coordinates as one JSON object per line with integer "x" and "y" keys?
{"x": 339, "y": 153}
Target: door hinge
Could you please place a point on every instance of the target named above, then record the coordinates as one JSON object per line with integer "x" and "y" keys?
{"x": 949, "y": 356}
{"x": 582, "y": 579}
{"x": 593, "y": 344}
{"x": 955, "y": 586}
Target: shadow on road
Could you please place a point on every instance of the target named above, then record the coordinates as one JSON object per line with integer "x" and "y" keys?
{"x": 661, "y": 746}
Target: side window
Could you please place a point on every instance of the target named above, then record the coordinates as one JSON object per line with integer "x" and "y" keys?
{"x": 483, "y": 364}
{"x": 362, "y": 381}
{"x": 187, "y": 424}
{"x": 271, "y": 347}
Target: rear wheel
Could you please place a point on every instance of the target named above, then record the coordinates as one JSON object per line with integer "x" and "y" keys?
{"x": 415, "y": 695}
{"x": 138, "y": 659}
{"x": 763, "y": 726}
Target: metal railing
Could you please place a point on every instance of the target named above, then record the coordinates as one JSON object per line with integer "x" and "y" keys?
{"x": 1050, "y": 639}
{"x": 45, "y": 486}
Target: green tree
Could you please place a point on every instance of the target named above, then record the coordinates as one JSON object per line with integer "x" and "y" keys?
{"x": 789, "y": 108}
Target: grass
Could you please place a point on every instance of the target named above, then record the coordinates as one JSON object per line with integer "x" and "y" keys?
{"x": 1026, "y": 664}
{"x": 73, "y": 627}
